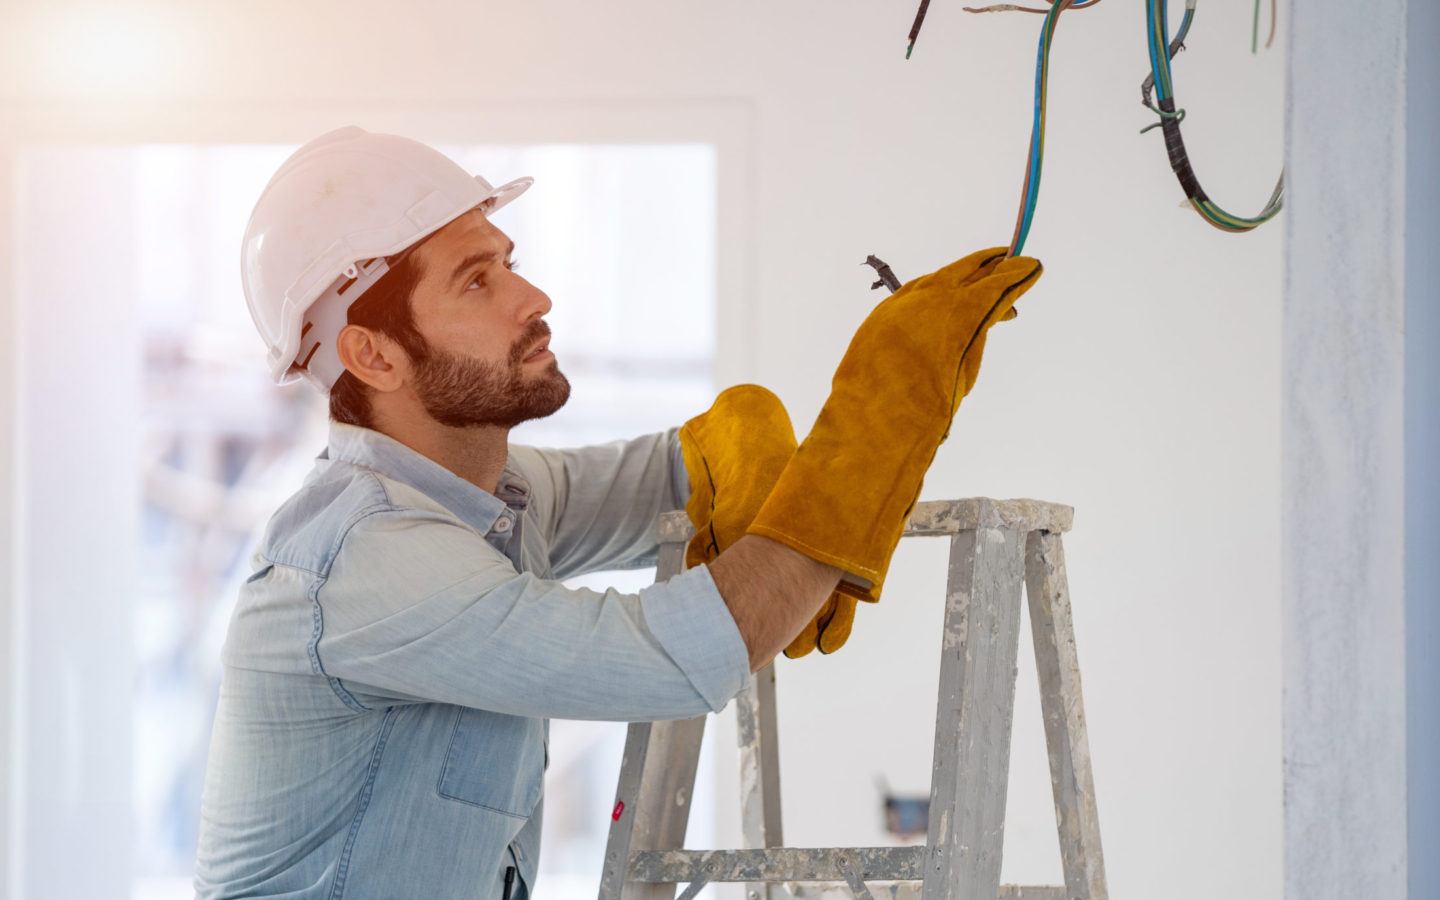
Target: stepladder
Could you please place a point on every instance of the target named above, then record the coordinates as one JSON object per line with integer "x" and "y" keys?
{"x": 999, "y": 549}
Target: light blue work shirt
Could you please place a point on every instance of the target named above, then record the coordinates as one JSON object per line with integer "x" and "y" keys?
{"x": 394, "y": 657}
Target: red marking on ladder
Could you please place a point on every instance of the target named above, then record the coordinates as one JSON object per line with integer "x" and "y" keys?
{"x": 619, "y": 808}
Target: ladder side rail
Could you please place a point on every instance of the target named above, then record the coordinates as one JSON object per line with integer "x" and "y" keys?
{"x": 1058, "y": 664}
{"x": 657, "y": 777}
{"x": 974, "y": 712}
{"x": 666, "y": 789}
{"x": 758, "y": 736}
{"x": 622, "y": 823}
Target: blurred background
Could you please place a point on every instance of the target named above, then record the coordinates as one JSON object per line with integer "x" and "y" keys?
{"x": 709, "y": 178}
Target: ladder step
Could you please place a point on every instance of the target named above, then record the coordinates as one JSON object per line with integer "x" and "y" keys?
{"x": 937, "y": 517}
{"x": 778, "y": 864}
{"x": 913, "y": 890}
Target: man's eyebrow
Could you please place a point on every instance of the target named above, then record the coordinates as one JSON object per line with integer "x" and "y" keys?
{"x": 476, "y": 259}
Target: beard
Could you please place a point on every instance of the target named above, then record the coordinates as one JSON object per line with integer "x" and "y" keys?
{"x": 462, "y": 392}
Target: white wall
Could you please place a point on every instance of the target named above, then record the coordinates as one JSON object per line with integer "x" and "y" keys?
{"x": 1140, "y": 384}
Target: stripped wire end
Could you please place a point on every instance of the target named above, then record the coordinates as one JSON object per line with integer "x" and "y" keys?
{"x": 887, "y": 278}
{"x": 1002, "y": 7}
{"x": 1015, "y": 7}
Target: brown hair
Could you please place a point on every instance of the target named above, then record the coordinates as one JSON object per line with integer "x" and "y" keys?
{"x": 385, "y": 309}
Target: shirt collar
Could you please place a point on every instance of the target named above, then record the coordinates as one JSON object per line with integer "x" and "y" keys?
{"x": 475, "y": 507}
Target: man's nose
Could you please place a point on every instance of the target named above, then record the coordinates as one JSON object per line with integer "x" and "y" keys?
{"x": 536, "y": 303}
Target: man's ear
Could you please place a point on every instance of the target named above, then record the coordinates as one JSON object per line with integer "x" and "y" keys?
{"x": 371, "y": 357}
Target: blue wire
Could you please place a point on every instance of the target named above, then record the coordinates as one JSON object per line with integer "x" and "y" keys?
{"x": 1150, "y": 42}
{"x": 1037, "y": 139}
{"x": 1159, "y": 44}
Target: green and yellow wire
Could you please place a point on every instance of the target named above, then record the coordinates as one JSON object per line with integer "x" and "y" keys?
{"x": 1161, "y": 50}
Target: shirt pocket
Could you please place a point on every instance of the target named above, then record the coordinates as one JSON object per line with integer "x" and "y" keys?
{"x": 495, "y": 761}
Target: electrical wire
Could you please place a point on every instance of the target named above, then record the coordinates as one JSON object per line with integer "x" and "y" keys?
{"x": 915, "y": 28}
{"x": 1030, "y": 192}
{"x": 1255, "y": 27}
{"x": 1160, "y": 80}
{"x": 1162, "y": 49}
{"x": 1011, "y": 7}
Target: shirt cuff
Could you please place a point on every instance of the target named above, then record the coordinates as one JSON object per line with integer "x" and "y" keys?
{"x": 690, "y": 619}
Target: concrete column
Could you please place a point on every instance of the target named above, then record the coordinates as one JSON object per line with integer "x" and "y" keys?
{"x": 1359, "y": 509}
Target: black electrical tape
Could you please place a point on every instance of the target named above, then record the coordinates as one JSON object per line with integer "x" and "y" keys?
{"x": 1175, "y": 147}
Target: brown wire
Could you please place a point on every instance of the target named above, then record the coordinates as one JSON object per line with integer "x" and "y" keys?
{"x": 1011, "y": 7}
{"x": 1271, "y": 39}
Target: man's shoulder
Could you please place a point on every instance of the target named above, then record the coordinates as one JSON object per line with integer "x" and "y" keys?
{"x": 531, "y": 462}
{"x": 309, "y": 528}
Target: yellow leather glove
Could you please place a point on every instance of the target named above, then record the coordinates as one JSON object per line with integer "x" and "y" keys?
{"x": 830, "y": 628}
{"x": 845, "y": 495}
{"x": 734, "y": 453}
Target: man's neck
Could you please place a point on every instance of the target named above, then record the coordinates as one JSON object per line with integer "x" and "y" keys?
{"x": 476, "y": 454}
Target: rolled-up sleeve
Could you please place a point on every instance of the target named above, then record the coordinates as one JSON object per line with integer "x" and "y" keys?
{"x": 418, "y": 608}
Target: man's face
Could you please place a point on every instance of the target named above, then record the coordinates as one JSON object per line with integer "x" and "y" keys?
{"x": 487, "y": 360}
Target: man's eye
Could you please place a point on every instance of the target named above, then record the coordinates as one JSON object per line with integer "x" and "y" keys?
{"x": 479, "y": 280}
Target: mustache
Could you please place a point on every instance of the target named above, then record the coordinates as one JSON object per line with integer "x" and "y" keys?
{"x": 535, "y": 332}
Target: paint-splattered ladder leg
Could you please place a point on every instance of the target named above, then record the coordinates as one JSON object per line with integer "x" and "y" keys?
{"x": 759, "y": 741}
{"x": 973, "y": 720}
{"x": 1064, "y": 709}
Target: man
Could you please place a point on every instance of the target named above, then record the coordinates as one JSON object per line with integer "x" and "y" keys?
{"x": 395, "y": 656}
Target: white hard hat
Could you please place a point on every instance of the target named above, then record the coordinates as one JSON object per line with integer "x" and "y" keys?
{"x": 321, "y": 230}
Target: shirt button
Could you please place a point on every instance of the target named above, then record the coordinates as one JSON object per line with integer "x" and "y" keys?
{"x": 503, "y": 524}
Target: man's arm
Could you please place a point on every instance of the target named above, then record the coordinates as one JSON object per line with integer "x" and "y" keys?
{"x": 771, "y": 591}
{"x": 419, "y": 608}
{"x": 601, "y": 502}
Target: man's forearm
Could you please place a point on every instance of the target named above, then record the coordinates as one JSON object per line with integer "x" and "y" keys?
{"x": 772, "y": 592}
